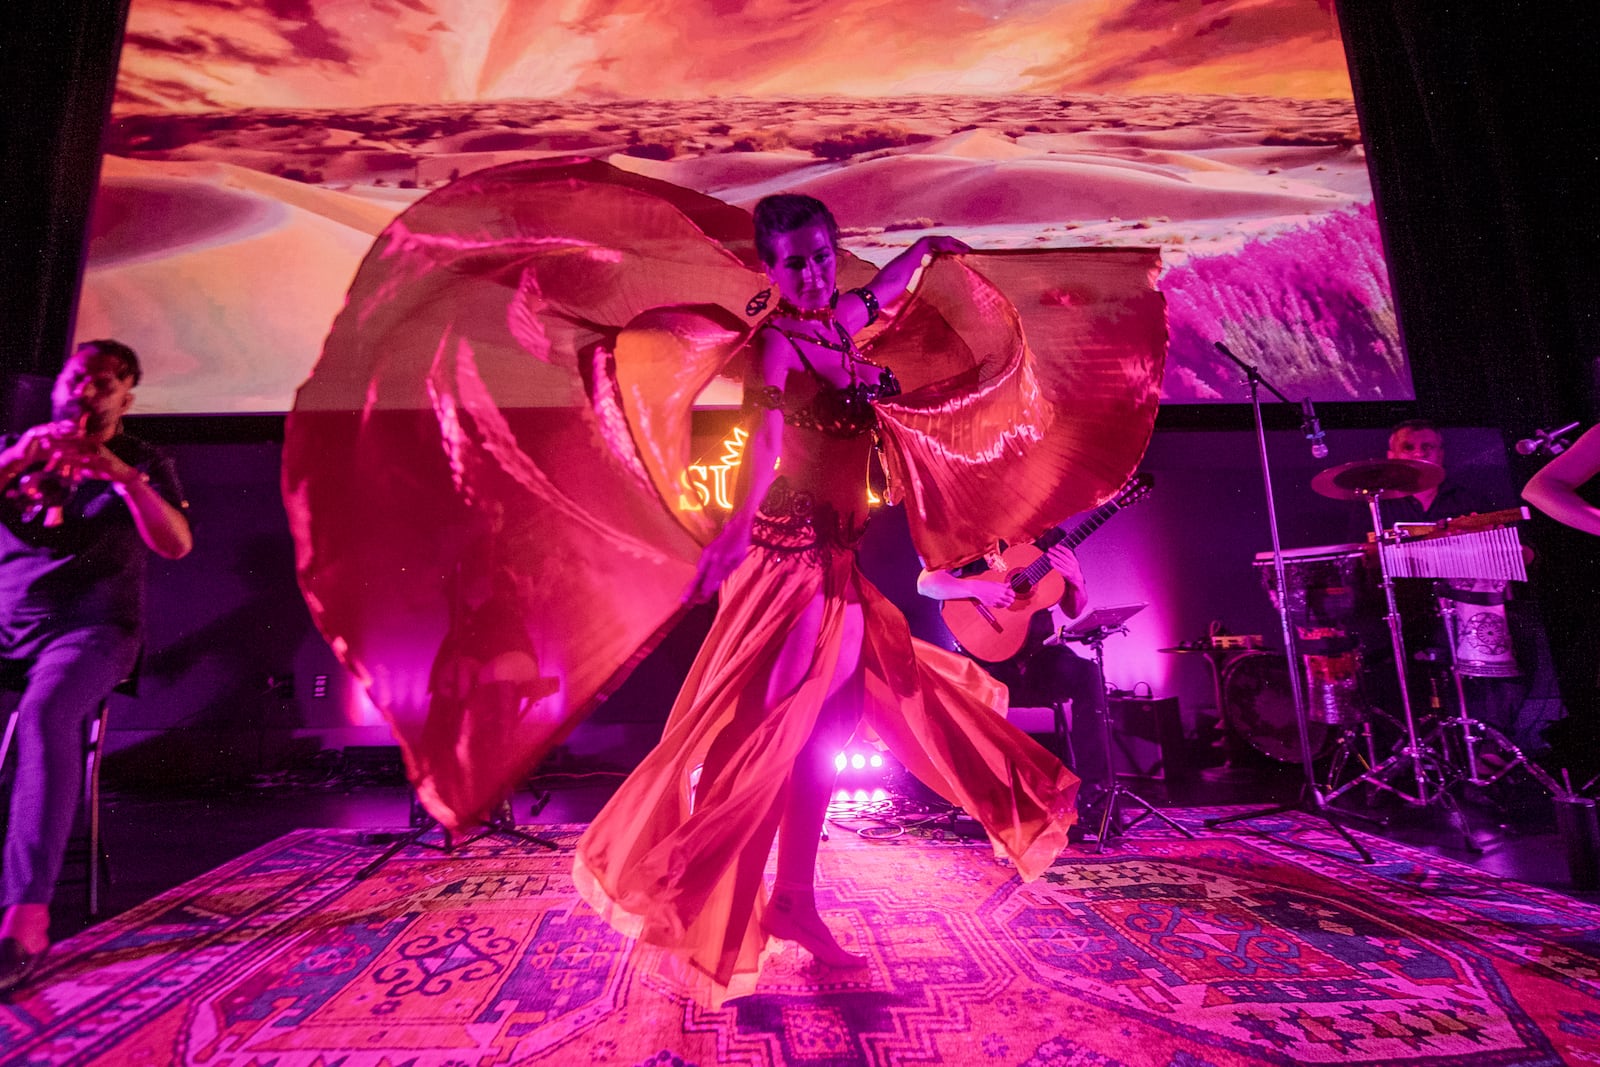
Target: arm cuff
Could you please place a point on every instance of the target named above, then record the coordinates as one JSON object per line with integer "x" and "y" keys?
{"x": 869, "y": 298}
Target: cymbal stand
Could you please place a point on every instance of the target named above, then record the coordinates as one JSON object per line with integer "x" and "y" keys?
{"x": 1311, "y": 799}
{"x": 1113, "y": 789}
{"x": 1428, "y": 767}
{"x": 1427, "y": 758}
{"x": 1425, "y": 775}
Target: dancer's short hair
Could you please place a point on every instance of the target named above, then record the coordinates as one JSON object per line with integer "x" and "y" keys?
{"x": 786, "y": 212}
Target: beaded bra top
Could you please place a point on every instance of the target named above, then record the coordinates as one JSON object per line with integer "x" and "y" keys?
{"x": 835, "y": 410}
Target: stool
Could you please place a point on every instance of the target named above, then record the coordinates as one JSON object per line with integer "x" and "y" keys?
{"x": 1054, "y": 719}
{"x": 12, "y": 679}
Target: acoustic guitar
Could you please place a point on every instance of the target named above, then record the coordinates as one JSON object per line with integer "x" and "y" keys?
{"x": 995, "y": 634}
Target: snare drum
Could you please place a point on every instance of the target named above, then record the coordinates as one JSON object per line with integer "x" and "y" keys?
{"x": 1260, "y": 703}
{"x": 1474, "y": 609}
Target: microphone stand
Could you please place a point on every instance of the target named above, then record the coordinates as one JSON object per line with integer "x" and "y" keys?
{"x": 1311, "y": 799}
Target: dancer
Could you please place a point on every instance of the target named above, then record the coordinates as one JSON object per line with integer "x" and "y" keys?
{"x": 803, "y": 653}
{"x": 544, "y": 328}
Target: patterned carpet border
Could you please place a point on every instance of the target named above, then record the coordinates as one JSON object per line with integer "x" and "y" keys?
{"x": 1265, "y": 946}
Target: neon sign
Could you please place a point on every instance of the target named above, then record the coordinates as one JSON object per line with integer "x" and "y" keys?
{"x": 709, "y": 485}
{"x": 706, "y": 484}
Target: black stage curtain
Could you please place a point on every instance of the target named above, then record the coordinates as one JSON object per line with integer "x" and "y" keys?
{"x": 59, "y": 62}
{"x": 1480, "y": 144}
{"x": 1476, "y": 119}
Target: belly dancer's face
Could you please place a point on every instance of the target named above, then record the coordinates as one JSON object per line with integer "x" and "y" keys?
{"x": 803, "y": 266}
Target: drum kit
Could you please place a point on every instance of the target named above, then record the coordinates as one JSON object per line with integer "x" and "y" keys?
{"x": 1336, "y": 593}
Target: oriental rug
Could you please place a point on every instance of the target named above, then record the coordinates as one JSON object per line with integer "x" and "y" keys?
{"x": 1259, "y": 948}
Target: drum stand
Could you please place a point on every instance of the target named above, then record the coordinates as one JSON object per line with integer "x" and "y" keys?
{"x": 1460, "y": 739}
{"x": 1427, "y": 759}
{"x": 1425, "y": 774}
{"x": 1113, "y": 790}
{"x": 1356, "y": 741}
{"x": 1311, "y": 799}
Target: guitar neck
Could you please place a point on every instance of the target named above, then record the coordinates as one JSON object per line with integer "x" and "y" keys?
{"x": 1096, "y": 519}
{"x": 1074, "y": 537}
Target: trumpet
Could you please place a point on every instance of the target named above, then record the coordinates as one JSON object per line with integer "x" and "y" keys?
{"x": 46, "y": 489}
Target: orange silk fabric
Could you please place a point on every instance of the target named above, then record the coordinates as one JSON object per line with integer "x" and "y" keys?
{"x": 481, "y": 473}
{"x": 1020, "y": 412}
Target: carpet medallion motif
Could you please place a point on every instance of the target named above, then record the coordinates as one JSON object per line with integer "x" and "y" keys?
{"x": 1230, "y": 949}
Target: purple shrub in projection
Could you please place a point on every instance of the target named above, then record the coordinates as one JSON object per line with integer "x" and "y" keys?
{"x": 1311, "y": 307}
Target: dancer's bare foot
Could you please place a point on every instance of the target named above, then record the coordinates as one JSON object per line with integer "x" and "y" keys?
{"x": 24, "y": 938}
{"x": 792, "y": 916}
{"x": 28, "y": 925}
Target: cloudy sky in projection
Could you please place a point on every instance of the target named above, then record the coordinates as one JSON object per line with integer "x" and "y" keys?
{"x": 1222, "y": 131}
{"x": 202, "y": 55}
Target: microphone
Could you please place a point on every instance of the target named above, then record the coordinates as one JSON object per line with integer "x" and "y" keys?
{"x": 1311, "y": 426}
{"x": 1546, "y": 441}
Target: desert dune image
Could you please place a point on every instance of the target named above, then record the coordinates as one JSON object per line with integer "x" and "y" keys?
{"x": 257, "y": 149}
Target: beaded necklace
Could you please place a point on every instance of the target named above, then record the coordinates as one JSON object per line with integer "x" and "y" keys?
{"x": 845, "y": 346}
{"x": 824, "y": 314}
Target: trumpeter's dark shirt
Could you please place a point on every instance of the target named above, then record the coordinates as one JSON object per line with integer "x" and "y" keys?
{"x": 90, "y": 567}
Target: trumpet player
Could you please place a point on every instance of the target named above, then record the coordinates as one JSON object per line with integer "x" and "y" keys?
{"x": 82, "y": 505}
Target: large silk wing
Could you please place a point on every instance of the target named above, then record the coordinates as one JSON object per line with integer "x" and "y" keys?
{"x": 1032, "y": 380}
{"x": 467, "y": 476}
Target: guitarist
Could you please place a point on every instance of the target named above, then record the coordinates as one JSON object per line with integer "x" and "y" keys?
{"x": 966, "y": 581}
{"x": 1045, "y": 670}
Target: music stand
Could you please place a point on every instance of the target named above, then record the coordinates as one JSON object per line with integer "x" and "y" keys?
{"x": 501, "y": 823}
{"x": 1092, "y": 630}
{"x": 1110, "y": 620}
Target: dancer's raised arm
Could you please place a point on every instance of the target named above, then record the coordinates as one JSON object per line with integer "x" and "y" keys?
{"x": 855, "y": 311}
{"x": 1554, "y": 490}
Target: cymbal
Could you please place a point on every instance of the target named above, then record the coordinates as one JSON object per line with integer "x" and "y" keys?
{"x": 1367, "y": 477}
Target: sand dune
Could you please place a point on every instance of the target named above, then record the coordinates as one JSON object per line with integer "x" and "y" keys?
{"x": 229, "y": 288}
{"x": 355, "y": 212}
{"x": 727, "y": 170}
{"x": 146, "y": 218}
{"x": 978, "y": 144}
{"x": 284, "y": 202}
{"x": 956, "y": 192}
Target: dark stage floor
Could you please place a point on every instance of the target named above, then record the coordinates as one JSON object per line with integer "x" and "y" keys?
{"x": 157, "y": 842}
